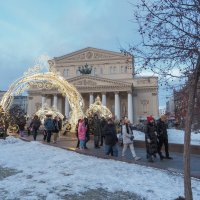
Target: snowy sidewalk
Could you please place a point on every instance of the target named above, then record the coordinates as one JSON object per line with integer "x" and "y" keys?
{"x": 175, "y": 165}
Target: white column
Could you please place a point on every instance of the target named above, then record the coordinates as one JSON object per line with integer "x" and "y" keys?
{"x": 117, "y": 106}
{"x": 91, "y": 99}
{"x": 67, "y": 107}
{"x": 43, "y": 101}
{"x": 55, "y": 101}
{"x": 104, "y": 99}
{"x": 130, "y": 107}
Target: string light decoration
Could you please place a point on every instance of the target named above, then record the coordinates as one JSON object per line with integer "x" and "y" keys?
{"x": 36, "y": 79}
{"x": 97, "y": 107}
{"x": 42, "y": 112}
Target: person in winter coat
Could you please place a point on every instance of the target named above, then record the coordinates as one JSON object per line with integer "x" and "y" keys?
{"x": 87, "y": 134}
{"x": 49, "y": 127}
{"x": 163, "y": 137}
{"x": 151, "y": 139}
{"x": 110, "y": 139}
{"x": 103, "y": 124}
{"x": 81, "y": 133}
{"x": 34, "y": 126}
{"x": 78, "y": 141}
{"x": 56, "y": 129}
{"x": 97, "y": 131}
{"x": 128, "y": 139}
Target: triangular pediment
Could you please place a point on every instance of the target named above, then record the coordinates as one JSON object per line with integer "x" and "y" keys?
{"x": 94, "y": 81}
{"x": 90, "y": 54}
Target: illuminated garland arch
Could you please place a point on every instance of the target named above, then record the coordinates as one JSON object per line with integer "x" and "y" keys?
{"x": 46, "y": 80}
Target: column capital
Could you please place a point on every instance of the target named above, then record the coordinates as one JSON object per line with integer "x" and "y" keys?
{"x": 103, "y": 93}
{"x": 129, "y": 92}
{"x": 116, "y": 92}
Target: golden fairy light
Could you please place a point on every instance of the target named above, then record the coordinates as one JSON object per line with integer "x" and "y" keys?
{"x": 47, "y": 110}
{"x": 97, "y": 107}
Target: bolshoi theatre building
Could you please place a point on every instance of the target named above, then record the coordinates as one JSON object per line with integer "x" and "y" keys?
{"x": 112, "y": 79}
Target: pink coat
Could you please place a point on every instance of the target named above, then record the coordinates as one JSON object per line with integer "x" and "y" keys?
{"x": 81, "y": 131}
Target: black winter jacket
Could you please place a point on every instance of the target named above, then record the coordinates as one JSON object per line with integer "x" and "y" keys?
{"x": 110, "y": 135}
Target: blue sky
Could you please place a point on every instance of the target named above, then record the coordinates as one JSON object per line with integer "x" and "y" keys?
{"x": 30, "y": 28}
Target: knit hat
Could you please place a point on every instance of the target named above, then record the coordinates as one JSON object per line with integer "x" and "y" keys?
{"x": 149, "y": 118}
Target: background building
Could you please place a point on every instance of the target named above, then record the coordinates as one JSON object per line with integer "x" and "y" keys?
{"x": 20, "y": 101}
{"x": 112, "y": 79}
{"x": 170, "y": 108}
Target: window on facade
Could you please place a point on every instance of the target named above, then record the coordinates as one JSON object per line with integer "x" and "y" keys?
{"x": 77, "y": 72}
{"x": 122, "y": 69}
{"x": 111, "y": 70}
{"x": 95, "y": 71}
{"x": 66, "y": 72}
{"x": 114, "y": 69}
{"x": 101, "y": 70}
{"x": 126, "y": 69}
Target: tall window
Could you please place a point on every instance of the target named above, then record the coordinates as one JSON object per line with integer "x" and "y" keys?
{"x": 126, "y": 69}
{"x": 122, "y": 69}
{"x": 95, "y": 71}
{"x": 77, "y": 71}
{"x": 101, "y": 70}
{"x": 111, "y": 70}
{"x": 114, "y": 69}
{"x": 66, "y": 72}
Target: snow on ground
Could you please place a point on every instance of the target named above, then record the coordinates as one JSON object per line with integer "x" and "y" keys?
{"x": 50, "y": 172}
{"x": 174, "y": 136}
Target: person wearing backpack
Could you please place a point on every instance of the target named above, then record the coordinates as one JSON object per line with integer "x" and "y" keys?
{"x": 49, "y": 127}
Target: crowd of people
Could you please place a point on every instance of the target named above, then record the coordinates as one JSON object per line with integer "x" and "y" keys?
{"x": 109, "y": 133}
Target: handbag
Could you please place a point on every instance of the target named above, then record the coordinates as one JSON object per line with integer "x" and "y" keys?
{"x": 131, "y": 138}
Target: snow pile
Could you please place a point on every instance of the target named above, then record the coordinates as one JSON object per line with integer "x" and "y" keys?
{"x": 50, "y": 173}
{"x": 10, "y": 140}
{"x": 174, "y": 136}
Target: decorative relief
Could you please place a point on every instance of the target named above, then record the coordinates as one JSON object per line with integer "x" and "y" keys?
{"x": 89, "y": 55}
{"x": 100, "y": 56}
{"x": 78, "y": 57}
{"x": 85, "y": 83}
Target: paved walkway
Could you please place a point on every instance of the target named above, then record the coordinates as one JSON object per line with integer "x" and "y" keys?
{"x": 175, "y": 165}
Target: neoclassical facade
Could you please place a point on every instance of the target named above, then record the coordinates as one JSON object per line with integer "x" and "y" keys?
{"x": 112, "y": 79}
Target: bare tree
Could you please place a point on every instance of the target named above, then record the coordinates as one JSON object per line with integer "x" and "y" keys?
{"x": 170, "y": 42}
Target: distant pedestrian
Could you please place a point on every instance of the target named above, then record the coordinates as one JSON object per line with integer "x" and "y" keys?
{"x": 103, "y": 125}
{"x": 34, "y": 126}
{"x": 78, "y": 141}
{"x": 56, "y": 129}
{"x": 110, "y": 139}
{"x": 151, "y": 139}
{"x": 49, "y": 126}
{"x": 81, "y": 133}
{"x": 87, "y": 134}
{"x": 128, "y": 139}
{"x": 97, "y": 131}
{"x": 163, "y": 137}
